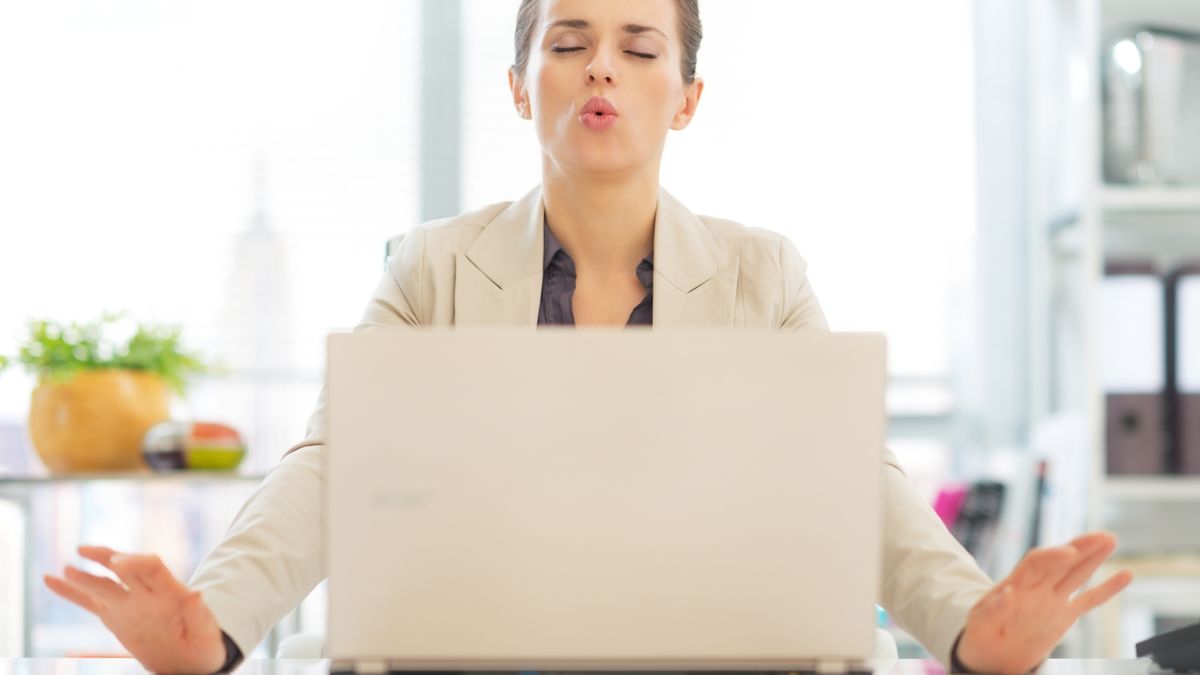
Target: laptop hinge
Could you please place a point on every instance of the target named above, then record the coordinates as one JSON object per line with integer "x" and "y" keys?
{"x": 825, "y": 667}
{"x": 840, "y": 666}
{"x": 359, "y": 667}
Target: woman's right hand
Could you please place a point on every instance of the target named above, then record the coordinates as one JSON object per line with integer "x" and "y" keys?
{"x": 165, "y": 625}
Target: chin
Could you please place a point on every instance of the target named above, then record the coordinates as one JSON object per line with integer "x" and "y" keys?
{"x": 603, "y": 163}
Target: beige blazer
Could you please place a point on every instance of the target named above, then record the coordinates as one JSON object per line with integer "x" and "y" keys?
{"x": 485, "y": 268}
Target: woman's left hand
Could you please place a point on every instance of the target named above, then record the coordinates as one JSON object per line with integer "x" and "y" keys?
{"x": 1014, "y": 627}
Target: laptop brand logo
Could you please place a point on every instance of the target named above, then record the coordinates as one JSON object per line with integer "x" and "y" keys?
{"x": 400, "y": 499}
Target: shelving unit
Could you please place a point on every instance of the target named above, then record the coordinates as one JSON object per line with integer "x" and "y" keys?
{"x": 1156, "y": 223}
{"x": 1159, "y": 224}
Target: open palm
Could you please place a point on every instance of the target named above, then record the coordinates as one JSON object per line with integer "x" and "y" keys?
{"x": 1015, "y": 626}
{"x": 165, "y": 625}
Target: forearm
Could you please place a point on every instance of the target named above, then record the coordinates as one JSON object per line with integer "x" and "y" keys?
{"x": 271, "y": 558}
{"x": 930, "y": 583}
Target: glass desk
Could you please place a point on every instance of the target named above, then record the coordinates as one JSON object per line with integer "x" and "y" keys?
{"x": 321, "y": 667}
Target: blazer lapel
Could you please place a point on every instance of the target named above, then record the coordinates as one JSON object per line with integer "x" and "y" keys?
{"x": 498, "y": 279}
{"x": 694, "y": 284}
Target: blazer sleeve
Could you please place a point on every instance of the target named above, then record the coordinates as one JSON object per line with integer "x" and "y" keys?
{"x": 929, "y": 582}
{"x": 801, "y": 310}
{"x": 272, "y": 556}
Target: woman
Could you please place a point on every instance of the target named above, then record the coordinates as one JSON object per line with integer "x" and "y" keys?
{"x": 597, "y": 243}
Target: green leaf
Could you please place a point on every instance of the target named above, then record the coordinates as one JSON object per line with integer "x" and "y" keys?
{"x": 56, "y": 351}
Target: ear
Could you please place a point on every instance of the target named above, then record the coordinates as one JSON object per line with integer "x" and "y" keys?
{"x": 520, "y": 96}
{"x": 691, "y": 101}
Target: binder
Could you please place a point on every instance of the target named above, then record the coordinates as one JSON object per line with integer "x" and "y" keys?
{"x": 1150, "y": 107}
{"x": 1039, "y": 503}
{"x": 977, "y": 523}
{"x": 948, "y": 503}
{"x": 1183, "y": 331}
{"x": 1133, "y": 369}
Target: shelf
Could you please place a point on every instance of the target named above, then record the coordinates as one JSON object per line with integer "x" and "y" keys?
{"x": 1119, "y": 199}
{"x": 136, "y": 476}
{"x": 1153, "y": 488}
{"x": 1172, "y": 13}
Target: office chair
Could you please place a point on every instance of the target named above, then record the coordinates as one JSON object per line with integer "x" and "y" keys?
{"x": 390, "y": 248}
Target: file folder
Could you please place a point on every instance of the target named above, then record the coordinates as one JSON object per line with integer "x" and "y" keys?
{"x": 1184, "y": 366}
{"x": 1132, "y": 369}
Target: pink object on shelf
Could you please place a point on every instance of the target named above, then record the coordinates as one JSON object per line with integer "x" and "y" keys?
{"x": 949, "y": 501}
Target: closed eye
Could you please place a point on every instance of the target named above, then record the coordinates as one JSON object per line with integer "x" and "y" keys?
{"x": 562, "y": 50}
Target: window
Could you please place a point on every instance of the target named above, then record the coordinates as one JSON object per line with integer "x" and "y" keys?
{"x": 232, "y": 167}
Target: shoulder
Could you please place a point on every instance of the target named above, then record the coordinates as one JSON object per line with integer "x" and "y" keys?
{"x": 429, "y": 249}
{"x": 756, "y": 250}
{"x": 453, "y": 234}
{"x": 772, "y": 276}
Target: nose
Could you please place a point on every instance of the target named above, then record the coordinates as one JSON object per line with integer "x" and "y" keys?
{"x": 601, "y": 69}
{"x": 608, "y": 78}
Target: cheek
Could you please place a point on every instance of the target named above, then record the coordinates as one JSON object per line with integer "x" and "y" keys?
{"x": 553, "y": 94}
{"x": 664, "y": 94}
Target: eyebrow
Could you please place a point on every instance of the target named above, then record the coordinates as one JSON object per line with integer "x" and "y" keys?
{"x": 631, "y": 28}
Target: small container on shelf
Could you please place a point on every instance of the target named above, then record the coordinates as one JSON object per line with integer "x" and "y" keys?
{"x": 201, "y": 446}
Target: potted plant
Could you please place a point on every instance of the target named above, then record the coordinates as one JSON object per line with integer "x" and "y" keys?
{"x": 96, "y": 397}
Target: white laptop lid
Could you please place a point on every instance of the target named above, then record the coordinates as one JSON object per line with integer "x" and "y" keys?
{"x": 573, "y": 499}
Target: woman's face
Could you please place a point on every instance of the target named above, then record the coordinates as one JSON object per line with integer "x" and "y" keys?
{"x": 626, "y": 51}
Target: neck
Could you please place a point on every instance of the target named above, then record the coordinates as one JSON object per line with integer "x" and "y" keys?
{"x": 606, "y": 225}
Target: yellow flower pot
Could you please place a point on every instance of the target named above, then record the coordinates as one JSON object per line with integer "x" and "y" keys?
{"x": 95, "y": 421}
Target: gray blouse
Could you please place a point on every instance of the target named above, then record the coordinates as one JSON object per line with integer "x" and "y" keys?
{"x": 558, "y": 286}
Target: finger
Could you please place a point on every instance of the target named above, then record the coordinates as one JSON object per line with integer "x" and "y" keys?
{"x": 100, "y": 554}
{"x": 101, "y": 587}
{"x": 1026, "y": 576}
{"x": 1093, "y": 540}
{"x": 1028, "y": 571}
{"x": 104, "y": 556}
{"x": 1045, "y": 565}
{"x": 1075, "y": 561}
{"x": 127, "y": 573}
{"x": 148, "y": 571}
{"x": 1085, "y": 567}
{"x": 64, "y": 588}
{"x": 1093, "y": 598}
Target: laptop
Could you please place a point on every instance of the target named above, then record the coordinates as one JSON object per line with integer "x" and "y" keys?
{"x": 505, "y": 499}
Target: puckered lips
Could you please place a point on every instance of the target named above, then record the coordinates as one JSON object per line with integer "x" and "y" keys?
{"x": 598, "y": 114}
